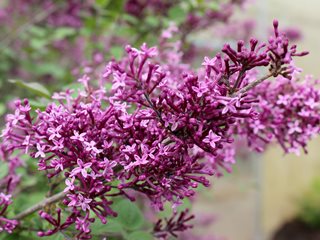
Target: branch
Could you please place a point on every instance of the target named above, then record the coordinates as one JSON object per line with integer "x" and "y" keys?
{"x": 55, "y": 198}
{"x": 252, "y": 85}
{"x": 238, "y": 81}
{"x": 153, "y": 107}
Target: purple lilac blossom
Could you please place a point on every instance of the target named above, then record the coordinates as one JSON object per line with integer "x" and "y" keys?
{"x": 161, "y": 130}
{"x": 288, "y": 114}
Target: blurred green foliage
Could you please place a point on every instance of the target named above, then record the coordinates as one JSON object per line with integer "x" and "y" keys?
{"x": 38, "y": 57}
{"x": 309, "y": 205}
{"x": 36, "y": 52}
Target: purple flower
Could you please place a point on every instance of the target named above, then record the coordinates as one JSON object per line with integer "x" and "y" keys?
{"x": 58, "y": 145}
{"x": 294, "y": 127}
{"x": 83, "y": 202}
{"x": 54, "y": 132}
{"x": 118, "y": 81}
{"x": 141, "y": 160}
{"x": 283, "y": 99}
{"x": 201, "y": 89}
{"x": 148, "y": 52}
{"x": 107, "y": 167}
{"x": 5, "y": 199}
{"x": 26, "y": 143}
{"x": 209, "y": 62}
{"x": 130, "y": 149}
{"x": 91, "y": 146}
{"x": 284, "y": 115}
{"x": 70, "y": 184}
{"x": 83, "y": 169}
{"x": 257, "y": 126}
{"x": 74, "y": 200}
{"x": 212, "y": 139}
{"x": 83, "y": 225}
{"x": 14, "y": 119}
{"x": 162, "y": 129}
{"x": 229, "y": 107}
{"x": 311, "y": 103}
{"x": 138, "y": 161}
{"x": 40, "y": 152}
{"x": 78, "y": 136}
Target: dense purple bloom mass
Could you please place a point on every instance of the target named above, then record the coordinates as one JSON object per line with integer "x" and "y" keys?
{"x": 289, "y": 113}
{"x": 160, "y": 130}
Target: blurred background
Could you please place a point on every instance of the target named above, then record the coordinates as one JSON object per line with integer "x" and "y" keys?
{"x": 265, "y": 193}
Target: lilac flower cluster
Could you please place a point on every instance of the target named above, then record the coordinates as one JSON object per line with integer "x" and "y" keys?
{"x": 195, "y": 113}
{"x": 71, "y": 138}
{"x": 160, "y": 130}
{"x": 289, "y": 112}
{"x": 281, "y": 53}
{"x": 234, "y": 68}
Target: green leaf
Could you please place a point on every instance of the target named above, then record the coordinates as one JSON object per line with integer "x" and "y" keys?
{"x": 13, "y": 236}
{"x": 108, "y": 86}
{"x": 37, "y": 43}
{"x": 27, "y": 200}
{"x": 177, "y": 14}
{"x": 115, "y": 6}
{"x": 27, "y": 235}
{"x": 34, "y": 87}
{"x": 214, "y": 6}
{"x": 129, "y": 215}
{"x": 153, "y": 21}
{"x": 51, "y": 69}
{"x": 112, "y": 226}
{"x": 194, "y": 3}
{"x": 63, "y": 32}
{"x": 167, "y": 212}
{"x": 76, "y": 87}
{"x": 57, "y": 236}
{"x": 116, "y": 52}
{"x": 2, "y": 109}
{"x": 102, "y": 3}
{"x": 129, "y": 18}
{"x": 140, "y": 235}
{"x": 38, "y": 104}
{"x": 3, "y": 170}
{"x": 37, "y": 31}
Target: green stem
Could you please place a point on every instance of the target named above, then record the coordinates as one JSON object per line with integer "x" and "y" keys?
{"x": 55, "y": 198}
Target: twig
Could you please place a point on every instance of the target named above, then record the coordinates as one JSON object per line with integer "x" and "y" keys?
{"x": 238, "y": 81}
{"x": 252, "y": 85}
{"x": 65, "y": 235}
{"x": 29, "y": 229}
{"x": 153, "y": 107}
{"x": 55, "y": 198}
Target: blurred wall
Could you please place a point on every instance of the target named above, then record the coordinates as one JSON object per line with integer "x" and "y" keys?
{"x": 284, "y": 181}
